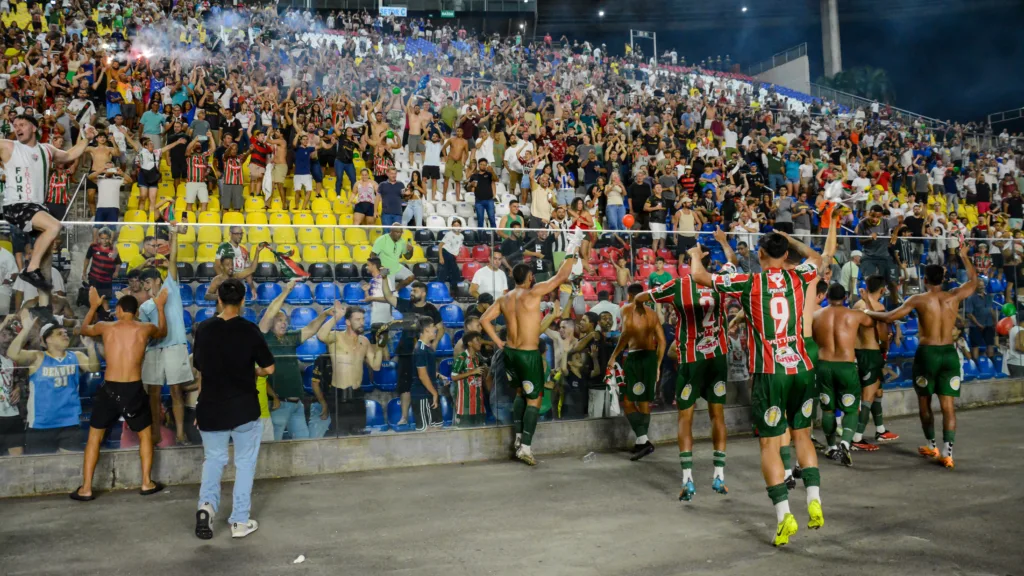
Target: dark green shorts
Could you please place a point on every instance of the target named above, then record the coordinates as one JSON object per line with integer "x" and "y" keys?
{"x": 702, "y": 379}
{"x": 838, "y": 385}
{"x": 869, "y": 366}
{"x": 525, "y": 370}
{"x": 812, "y": 350}
{"x": 641, "y": 368}
{"x": 781, "y": 399}
{"x": 937, "y": 371}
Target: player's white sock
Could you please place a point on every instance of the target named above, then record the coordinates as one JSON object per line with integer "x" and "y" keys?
{"x": 845, "y": 443}
{"x": 687, "y": 475}
{"x": 931, "y": 443}
{"x": 789, "y": 473}
{"x": 519, "y": 437}
{"x": 719, "y": 473}
{"x": 526, "y": 449}
{"x": 640, "y": 440}
{"x": 947, "y": 449}
{"x": 880, "y": 429}
{"x": 813, "y": 493}
{"x": 857, "y": 436}
{"x": 781, "y": 509}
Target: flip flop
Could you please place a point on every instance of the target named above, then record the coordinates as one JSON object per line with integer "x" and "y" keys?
{"x": 156, "y": 488}
{"x": 76, "y": 496}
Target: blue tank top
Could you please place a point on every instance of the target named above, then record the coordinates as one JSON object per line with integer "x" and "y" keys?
{"x": 53, "y": 393}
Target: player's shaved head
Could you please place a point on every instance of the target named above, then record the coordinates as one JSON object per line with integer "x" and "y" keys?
{"x": 836, "y": 293}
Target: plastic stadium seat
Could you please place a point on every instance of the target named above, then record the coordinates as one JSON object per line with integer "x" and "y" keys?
{"x": 307, "y": 379}
{"x": 300, "y": 294}
{"x": 309, "y": 235}
{"x": 309, "y": 350}
{"x": 185, "y": 272}
{"x": 209, "y": 217}
{"x": 424, "y": 271}
{"x": 265, "y": 293}
{"x": 280, "y": 218}
{"x": 386, "y": 379}
{"x": 437, "y": 293}
{"x": 909, "y": 327}
{"x": 469, "y": 269}
{"x": 249, "y": 314}
{"x": 355, "y": 236}
{"x": 970, "y": 370}
{"x": 326, "y": 293}
{"x": 645, "y": 255}
{"x": 186, "y": 253}
{"x": 353, "y": 293}
{"x": 320, "y": 272}
{"x": 462, "y": 292}
{"x": 605, "y": 270}
{"x": 205, "y": 272}
{"x": 257, "y": 234}
{"x": 375, "y": 421}
{"x": 266, "y": 272}
{"x": 186, "y": 316}
{"x": 346, "y": 271}
{"x": 444, "y": 346}
{"x": 302, "y": 218}
{"x": 127, "y": 250}
{"x": 417, "y": 256}
{"x": 464, "y": 255}
{"x": 432, "y": 254}
{"x": 292, "y": 250}
{"x": 339, "y": 253}
{"x": 283, "y": 235}
{"x": 205, "y": 314}
{"x": 254, "y": 205}
{"x": 481, "y": 253}
{"x": 186, "y": 294}
{"x": 986, "y": 371}
{"x": 910, "y": 344}
{"x": 424, "y": 237}
{"x": 232, "y": 218}
{"x": 643, "y": 270}
{"x": 300, "y": 317}
{"x": 471, "y": 238}
{"x": 207, "y": 252}
{"x": 136, "y": 216}
{"x": 188, "y": 236}
{"x": 130, "y": 233}
{"x": 446, "y": 411}
{"x": 90, "y": 384}
{"x": 314, "y": 253}
{"x": 361, "y": 254}
{"x": 605, "y": 286}
{"x": 452, "y": 316}
{"x": 395, "y": 416}
{"x": 321, "y": 206}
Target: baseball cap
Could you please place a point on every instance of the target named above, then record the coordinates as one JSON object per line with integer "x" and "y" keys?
{"x": 46, "y": 330}
{"x": 856, "y": 253}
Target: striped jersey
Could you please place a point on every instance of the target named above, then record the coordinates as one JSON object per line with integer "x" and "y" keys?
{"x": 233, "y": 170}
{"x": 468, "y": 392}
{"x": 773, "y": 301}
{"x": 197, "y": 167}
{"x": 28, "y": 174}
{"x": 58, "y": 191}
{"x": 700, "y": 332}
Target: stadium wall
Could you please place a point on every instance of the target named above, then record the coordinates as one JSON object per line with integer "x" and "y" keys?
{"x": 61, "y": 473}
{"x": 795, "y": 74}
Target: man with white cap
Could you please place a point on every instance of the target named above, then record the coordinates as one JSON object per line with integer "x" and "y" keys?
{"x": 850, "y": 272}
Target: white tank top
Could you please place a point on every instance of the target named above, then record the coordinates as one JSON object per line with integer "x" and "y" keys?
{"x": 28, "y": 174}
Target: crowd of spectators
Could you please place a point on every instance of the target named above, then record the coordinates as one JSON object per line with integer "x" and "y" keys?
{"x": 401, "y": 167}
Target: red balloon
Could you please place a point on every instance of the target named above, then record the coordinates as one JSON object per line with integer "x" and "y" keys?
{"x": 627, "y": 221}
{"x": 1004, "y": 325}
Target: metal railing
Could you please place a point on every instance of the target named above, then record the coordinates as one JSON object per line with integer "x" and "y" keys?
{"x": 778, "y": 59}
{"x": 1005, "y": 116}
{"x": 853, "y": 101}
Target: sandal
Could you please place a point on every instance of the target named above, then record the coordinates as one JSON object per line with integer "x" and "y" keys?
{"x": 156, "y": 488}
{"x": 78, "y": 497}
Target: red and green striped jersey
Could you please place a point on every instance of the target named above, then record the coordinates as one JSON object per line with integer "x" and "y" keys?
{"x": 233, "y": 171}
{"x": 773, "y": 301}
{"x": 196, "y": 168}
{"x": 468, "y": 392}
{"x": 700, "y": 332}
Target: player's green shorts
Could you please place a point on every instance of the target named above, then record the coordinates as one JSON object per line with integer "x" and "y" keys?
{"x": 838, "y": 385}
{"x": 641, "y": 368}
{"x": 702, "y": 379}
{"x": 937, "y": 371}
{"x": 781, "y": 399}
{"x": 869, "y": 365}
{"x": 525, "y": 370}
{"x": 812, "y": 350}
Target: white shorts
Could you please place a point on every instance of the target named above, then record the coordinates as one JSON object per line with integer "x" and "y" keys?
{"x": 908, "y": 273}
{"x": 195, "y": 190}
{"x": 657, "y": 231}
{"x": 401, "y": 274}
{"x": 300, "y": 181}
{"x": 168, "y": 365}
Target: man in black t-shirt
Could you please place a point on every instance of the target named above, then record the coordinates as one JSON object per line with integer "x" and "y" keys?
{"x": 576, "y": 384}
{"x": 412, "y": 310}
{"x": 638, "y": 193}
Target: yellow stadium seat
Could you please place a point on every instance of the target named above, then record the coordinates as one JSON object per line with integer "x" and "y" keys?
{"x": 214, "y": 204}
{"x": 361, "y": 254}
{"x": 186, "y": 216}
{"x": 276, "y": 205}
{"x": 207, "y": 252}
{"x": 6, "y": 245}
{"x": 296, "y": 254}
{"x": 302, "y": 218}
{"x": 186, "y": 252}
{"x": 343, "y": 207}
{"x": 314, "y": 254}
{"x": 326, "y": 223}
{"x": 136, "y": 216}
{"x": 331, "y": 194}
{"x": 180, "y": 206}
{"x": 233, "y": 218}
{"x": 254, "y": 204}
{"x": 355, "y": 236}
{"x": 330, "y": 182}
{"x": 284, "y": 235}
{"x": 256, "y": 218}
{"x": 179, "y": 192}
{"x": 259, "y": 234}
{"x": 321, "y": 206}
{"x": 417, "y": 255}
{"x": 280, "y": 219}
{"x": 265, "y": 255}
{"x": 209, "y": 217}
{"x": 345, "y": 220}
{"x": 133, "y": 202}
{"x": 407, "y": 235}
{"x": 374, "y": 234}
{"x": 189, "y": 235}
{"x": 127, "y": 250}
{"x": 309, "y": 235}
{"x": 130, "y": 233}
{"x": 209, "y": 234}
{"x": 325, "y": 219}
{"x": 340, "y": 253}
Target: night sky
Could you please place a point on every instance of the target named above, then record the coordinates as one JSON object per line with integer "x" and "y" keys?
{"x": 948, "y": 59}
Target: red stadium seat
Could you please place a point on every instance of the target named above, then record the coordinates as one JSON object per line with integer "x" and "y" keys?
{"x": 482, "y": 253}
{"x": 605, "y": 286}
{"x": 643, "y": 270}
{"x": 610, "y": 254}
{"x": 469, "y": 269}
{"x": 668, "y": 256}
{"x": 645, "y": 255}
{"x": 464, "y": 255}
{"x": 606, "y": 270}
{"x": 588, "y": 291}
{"x": 683, "y": 268}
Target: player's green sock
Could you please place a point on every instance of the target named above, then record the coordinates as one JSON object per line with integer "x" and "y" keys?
{"x": 686, "y": 463}
{"x": 862, "y": 418}
{"x": 828, "y": 425}
{"x": 780, "y": 498}
{"x": 645, "y": 424}
{"x": 785, "y": 452}
{"x": 530, "y": 418}
{"x": 847, "y": 434}
{"x": 948, "y": 437}
{"x": 634, "y": 422}
{"x": 929, "y": 434}
{"x": 518, "y": 409}
{"x": 876, "y": 413}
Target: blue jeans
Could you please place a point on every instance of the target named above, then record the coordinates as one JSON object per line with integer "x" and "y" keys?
{"x": 317, "y": 427}
{"x": 484, "y": 206}
{"x": 413, "y": 210}
{"x": 775, "y": 181}
{"x": 386, "y": 220}
{"x": 343, "y": 168}
{"x": 290, "y": 416}
{"x": 215, "y": 457}
{"x": 615, "y": 212}
{"x": 565, "y": 196}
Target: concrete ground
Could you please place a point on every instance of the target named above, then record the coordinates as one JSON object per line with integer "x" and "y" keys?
{"x": 893, "y": 513}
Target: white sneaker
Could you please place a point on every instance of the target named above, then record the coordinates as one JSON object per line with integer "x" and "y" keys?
{"x": 204, "y": 521}
{"x": 239, "y": 530}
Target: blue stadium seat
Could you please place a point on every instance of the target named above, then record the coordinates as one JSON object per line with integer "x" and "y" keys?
{"x": 437, "y": 293}
{"x": 187, "y": 296}
{"x": 307, "y": 379}
{"x": 353, "y": 293}
{"x": 970, "y": 370}
{"x": 893, "y": 381}
{"x": 367, "y": 384}
{"x": 266, "y": 292}
{"x": 395, "y": 415}
{"x": 187, "y": 317}
{"x": 88, "y": 385}
{"x": 386, "y": 379}
{"x": 444, "y": 367}
{"x": 249, "y": 314}
{"x": 446, "y": 412}
{"x": 452, "y": 316}
{"x": 458, "y": 336}
{"x": 310, "y": 349}
{"x": 405, "y": 293}
{"x": 326, "y": 293}
{"x": 444, "y": 347}
{"x": 200, "y": 297}
{"x": 375, "y": 421}
{"x": 910, "y": 344}
{"x": 986, "y": 371}
{"x": 909, "y": 327}
{"x": 908, "y": 374}
{"x": 997, "y": 365}
{"x": 897, "y": 351}
{"x": 300, "y": 294}
{"x": 300, "y": 317}
{"x": 205, "y": 314}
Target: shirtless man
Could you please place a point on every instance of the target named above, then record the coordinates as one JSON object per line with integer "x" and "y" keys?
{"x": 836, "y": 330}
{"x": 455, "y": 150}
{"x": 348, "y": 351}
{"x": 136, "y": 289}
{"x": 936, "y": 363}
{"x": 101, "y": 154}
{"x": 523, "y": 362}
{"x": 870, "y": 362}
{"x": 418, "y": 120}
{"x": 644, "y": 339}
{"x": 226, "y": 263}
{"x": 122, "y": 394}
{"x": 279, "y": 165}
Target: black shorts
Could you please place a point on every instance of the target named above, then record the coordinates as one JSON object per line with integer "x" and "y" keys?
{"x": 179, "y": 168}
{"x": 786, "y": 227}
{"x": 115, "y": 400}
{"x": 12, "y": 433}
{"x": 431, "y": 172}
{"x": 406, "y": 373}
{"x": 149, "y": 178}
{"x": 985, "y": 336}
{"x": 20, "y": 216}
{"x": 364, "y": 208}
{"x": 57, "y": 210}
{"x": 52, "y": 440}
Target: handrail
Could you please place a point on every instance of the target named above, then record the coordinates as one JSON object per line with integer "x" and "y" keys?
{"x": 787, "y": 55}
